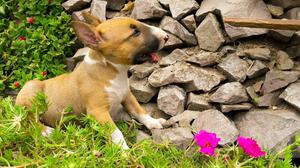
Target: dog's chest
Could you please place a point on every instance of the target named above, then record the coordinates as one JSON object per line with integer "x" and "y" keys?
{"x": 118, "y": 89}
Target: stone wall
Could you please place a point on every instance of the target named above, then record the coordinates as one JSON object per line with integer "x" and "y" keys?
{"x": 228, "y": 80}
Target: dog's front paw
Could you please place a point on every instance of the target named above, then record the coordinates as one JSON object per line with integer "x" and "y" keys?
{"x": 152, "y": 123}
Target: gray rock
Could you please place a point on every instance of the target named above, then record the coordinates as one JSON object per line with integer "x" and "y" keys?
{"x": 141, "y": 89}
{"x": 175, "y": 56}
{"x": 209, "y": 33}
{"x": 193, "y": 78}
{"x": 283, "y": 61}
{"x": 173, "y": 26}
{"x": 286, "y": 4}
{"x": 269, "y": 99}
{"x": 181, "y": 8}
{"x": 165, "y": 3}
{"x": 276, "y": 11}
{"x": 74, "y": 5}
{"x": 190, "y": 23}
{"x": 173, "y": 42}
{"x": 181, "y": 137}
{"x": 292, "y": 95}
{"x": 251, "y": 92}
{"x": 142, "y": 70}
{"x": 296, "y": 38}
{"x": 230, "y": 93}
{"x": 78, "y": 14}
{"x": 235, "y": 107}
{"x": 240, "y": 9}
{"x": 78, "y": 57}
{"x": 198, "y": 102}
{"x": 98, "y": 9}
{"x": 294, "y": 13}
{"x": 141, "y": 136}
{"x": 256, "y": 69}
{"x": 278, "y": 79}
{"x": 215, "y": 121}
{"x": 121, "y": 115}
{"x": 234, "y": 68}
{"x": 275, "y": 129}
{"x": 171, "y": 99}
{"x": 147, "y": 9}
{"x": 294, "y": 51}
{"x": 282, "y": 35}
{"x": 153, "y": 110}
{"x": 184, "y": 119}
{"x": 205, "y": 58}
{"x": 259, "y": 53}
{"x": 115, "y": 4}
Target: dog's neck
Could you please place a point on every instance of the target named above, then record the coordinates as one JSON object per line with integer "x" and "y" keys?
{"x": 94, "y": 57}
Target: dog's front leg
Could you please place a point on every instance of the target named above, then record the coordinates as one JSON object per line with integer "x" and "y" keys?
{"x": 101, "y": 114}
{"x": 133, "y": 107}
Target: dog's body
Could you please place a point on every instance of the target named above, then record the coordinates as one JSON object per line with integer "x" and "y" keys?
{"x": 100, "y": 83}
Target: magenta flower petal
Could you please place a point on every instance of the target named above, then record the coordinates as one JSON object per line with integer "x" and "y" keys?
{"x": 207, "y": 142}
{"x": 208, "y": 151}
{"x": 250, "y": 147}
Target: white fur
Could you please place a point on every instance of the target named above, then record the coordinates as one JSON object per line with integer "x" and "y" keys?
{"x": 118, "y": 139}
{"x": 151, "y": 123}
{"x": 119, "y": 88}
{"x": 47, "y": 131}
{"x": 160, "y": 34}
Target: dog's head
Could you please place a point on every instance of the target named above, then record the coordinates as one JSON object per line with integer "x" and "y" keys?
{"x": 120, "y": 40}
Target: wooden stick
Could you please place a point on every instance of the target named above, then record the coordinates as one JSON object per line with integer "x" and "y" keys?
{"x": 264, "y": 23}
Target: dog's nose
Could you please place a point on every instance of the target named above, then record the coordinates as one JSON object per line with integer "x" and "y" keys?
{"x": 166, "y": 38}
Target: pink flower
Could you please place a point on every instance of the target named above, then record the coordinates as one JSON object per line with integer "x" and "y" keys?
{"x": 250, "y": 147}
{"x": 207, "y": 142}
{"x": 30, "y": 20}
{"x": 22, "y": 38}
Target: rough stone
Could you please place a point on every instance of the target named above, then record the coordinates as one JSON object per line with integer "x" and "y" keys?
{"x": 259, "y": 53}
{"x": 240, "y": 9}
{"x": 78, "y": 14}
{"x": 74, "y": 5}
{"x": 78, "y": 56}
{"x": 184, "y": 119}
{"x": 283, "y": 61}
{"x": 235, "y": 107}
{"x": 257, "y": 69}
{"x": 292, "y": 95}
{"x": 147, "y": 9}
{"x": 215, "y": 121}
{"x": 165, "y": 3}
{"x": 98, "y": 9}
{"x": 193, "y": 78}
{"x": 296, "y": 38}
{"x": 286, "y": 4}
{"x": 251, "y": 92}
{"x": 234, "y": 68}
{"x": 190, "y": 23}
{"x": 198, "y": 102}
{"x": 141, "y": 136}
{"x": 294, "y": 51}
{"x": 294, "y": 13}
{"x": 175, "y": 56}
{"x": 141, "y": 89}
{"x": 171, "y": 99}
{"x": 115, "y": 4}
{"x": 173, "y": 26}
{"x": 181, "y": 8}
{"x": 173, "y": 42}
{"x": 269, "y": 99}
{"x": 278, "y": 79}
{"x": 121, "y": 115}
{"x": 181, "y": 137}
{"x": 276, "y": 11}
{"x": 275, "y": 128}
{"x": 153, "y": 110}
{"x": 282, "y": 35}
{"x": 142, "y": 70}
{"x": 230, "y": 93}
{"x": 205, "y": 58}
{"x": 209, "y": 33}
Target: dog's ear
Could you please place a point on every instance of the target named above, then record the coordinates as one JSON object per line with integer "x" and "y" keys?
{"x": 90, "y": 19}
{"x": 87, "y": 34}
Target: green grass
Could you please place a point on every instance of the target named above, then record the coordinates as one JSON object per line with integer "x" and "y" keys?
{"x": 89, "y": 145}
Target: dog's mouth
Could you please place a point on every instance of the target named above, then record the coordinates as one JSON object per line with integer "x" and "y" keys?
{"x": 148, "y": 57}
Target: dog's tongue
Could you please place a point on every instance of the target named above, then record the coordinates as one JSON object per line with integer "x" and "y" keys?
{"x": 154, "y": 57}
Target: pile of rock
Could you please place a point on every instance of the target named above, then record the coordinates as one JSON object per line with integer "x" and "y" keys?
{"x": 215, "y": 76}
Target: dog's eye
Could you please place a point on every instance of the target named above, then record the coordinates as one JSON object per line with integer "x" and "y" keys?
{"x": 136, "y": 32}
